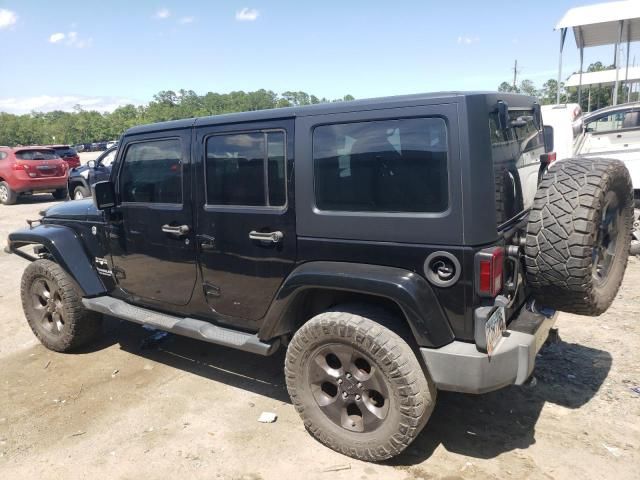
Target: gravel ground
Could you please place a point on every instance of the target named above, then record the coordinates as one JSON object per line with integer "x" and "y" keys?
{"x": 134, "y": 406}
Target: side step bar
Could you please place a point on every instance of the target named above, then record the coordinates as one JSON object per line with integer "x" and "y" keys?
{"x": 188, "y": 327}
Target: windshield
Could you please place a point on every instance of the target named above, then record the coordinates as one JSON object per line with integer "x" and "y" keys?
{"x": 36, "y": 155}
{"x": 66, "y": 152}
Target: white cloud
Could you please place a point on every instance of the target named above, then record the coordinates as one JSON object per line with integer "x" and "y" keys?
{"x": 467, "y": 40}
{"x": 56, "y": 37}
{"x": 7, "y": 18}
{"x": 186, "y": 20}
{"x": 47, "y": 103}
{"x": 162, "y": 14}
{"x": 247, "y": 14}
{"x": 72, "y": 39}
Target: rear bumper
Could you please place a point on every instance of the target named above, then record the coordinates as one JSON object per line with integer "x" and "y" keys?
{"x": 460, "y": 367}
{"x": 39, "y": 184}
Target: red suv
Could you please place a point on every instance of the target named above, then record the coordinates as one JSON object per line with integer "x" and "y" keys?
{"x": 30, "y": 170}
{"x": 68, "y": 154}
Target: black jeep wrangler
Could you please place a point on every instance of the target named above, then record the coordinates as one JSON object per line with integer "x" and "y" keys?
{"x": 395, "y": 247}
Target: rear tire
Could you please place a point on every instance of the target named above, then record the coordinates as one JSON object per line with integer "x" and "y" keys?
{"x": 578, "y": 235}
{"x": 375, "y": 396}
{"x": 53, "y": 306}
{"x": 7, "y": 196}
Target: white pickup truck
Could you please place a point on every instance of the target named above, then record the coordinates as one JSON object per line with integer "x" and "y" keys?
{"x": 614, "y": 132}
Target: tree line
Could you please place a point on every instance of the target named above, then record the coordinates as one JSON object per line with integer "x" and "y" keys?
{"x": 601, "y": 96}
{"x": 85, "y": 126}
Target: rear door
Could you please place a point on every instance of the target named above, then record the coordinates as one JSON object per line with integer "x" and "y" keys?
{"x": 246, "y": 223}
{"x": 152, "y": 235}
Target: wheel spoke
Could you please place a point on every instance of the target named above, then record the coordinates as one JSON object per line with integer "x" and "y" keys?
{"x": 56, "y": 322}
{"x": 322, "y": 369}
{"x": 373, "y": 414}
{"x": 345, "y": 355}
{"x": 334, "y": 409}
{"x": 374, "y": 382}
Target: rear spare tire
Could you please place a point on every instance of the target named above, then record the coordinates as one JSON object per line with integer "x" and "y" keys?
{"x": 578, "y": 235}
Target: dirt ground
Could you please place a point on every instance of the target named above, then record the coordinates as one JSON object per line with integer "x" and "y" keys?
{"x": 136, "y": 407}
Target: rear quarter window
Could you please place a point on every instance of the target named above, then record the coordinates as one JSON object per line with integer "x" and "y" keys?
{"x": 397, "y": 165}
{"x": 36, "y": 155}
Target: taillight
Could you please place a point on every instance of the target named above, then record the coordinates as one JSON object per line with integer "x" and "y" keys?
{"x": 548, "y": 158}
{"x": 20, "y": 166}
{"x": 489, "y": 266}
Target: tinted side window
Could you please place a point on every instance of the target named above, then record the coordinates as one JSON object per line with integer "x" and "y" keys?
{"x": 152, "y": 172}
{"x": 382, "y": 166}
{"x": 246, "y": 169}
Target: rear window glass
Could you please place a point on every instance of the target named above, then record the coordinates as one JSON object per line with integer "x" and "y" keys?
{"x": 36, "y": 155}
{"x": 65, "y": 152}
{"x": 382, "y": 166}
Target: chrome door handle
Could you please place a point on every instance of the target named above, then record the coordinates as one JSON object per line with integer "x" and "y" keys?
{"x": 176, "y": 230}
{"x": 273, "y": 237}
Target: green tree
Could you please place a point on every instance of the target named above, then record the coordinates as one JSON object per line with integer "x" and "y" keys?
{"x": 83, "y": 126}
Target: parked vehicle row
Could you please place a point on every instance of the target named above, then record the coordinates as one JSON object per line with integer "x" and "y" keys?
{"x": 95, "y": 146}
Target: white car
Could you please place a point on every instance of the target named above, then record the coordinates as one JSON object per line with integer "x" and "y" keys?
{"x": 614, "y": 132}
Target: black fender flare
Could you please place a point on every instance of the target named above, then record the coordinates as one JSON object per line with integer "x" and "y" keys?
{"x": 65, "y": 246}
{"x": 410, "y": 291}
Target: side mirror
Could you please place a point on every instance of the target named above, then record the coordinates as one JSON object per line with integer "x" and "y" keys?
{"x": 91, "y": 164}
{"x": 548, "y": 138}
{"x": 104, "y": 195}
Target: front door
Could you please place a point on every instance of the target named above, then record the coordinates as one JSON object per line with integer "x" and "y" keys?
{"x": 151, "y": 239}
{"x": 246, "y": 221}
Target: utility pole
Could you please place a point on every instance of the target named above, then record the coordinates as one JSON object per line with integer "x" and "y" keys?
{"x": 515, "y": 74}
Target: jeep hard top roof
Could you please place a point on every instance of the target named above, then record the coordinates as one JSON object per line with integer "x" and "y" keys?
{"x": 514, "y": 100}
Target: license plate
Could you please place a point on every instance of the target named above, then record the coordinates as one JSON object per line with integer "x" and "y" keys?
{"x": 493, "y": 329}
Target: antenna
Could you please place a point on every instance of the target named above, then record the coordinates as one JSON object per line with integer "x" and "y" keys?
{"x": 515, "y": 74}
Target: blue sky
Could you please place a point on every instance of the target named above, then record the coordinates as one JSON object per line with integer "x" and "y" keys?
{"x": 104, "y": 53}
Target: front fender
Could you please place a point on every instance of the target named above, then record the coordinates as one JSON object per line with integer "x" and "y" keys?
{"x": 411, "y": 292}
{"x": 66, "y": 248}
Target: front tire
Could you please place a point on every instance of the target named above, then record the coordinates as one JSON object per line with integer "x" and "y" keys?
{"x": 7, "y": 196}
{"x": 53, "y": 306}
{"x": 80, "y": 192}
{"x": 357, "y": 385}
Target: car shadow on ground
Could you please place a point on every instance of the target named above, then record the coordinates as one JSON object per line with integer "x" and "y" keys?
{"x": 36, "y": 198}
{"x": 485, "y": 426}
{"x": 255, "y": 373}
{"x": 480, "y": 426}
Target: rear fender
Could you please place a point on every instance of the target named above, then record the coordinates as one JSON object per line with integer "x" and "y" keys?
{"x": 408, "y": 290}
{"x": 66, "y": 248}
